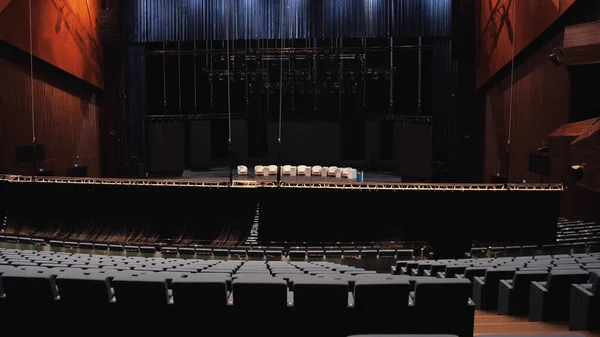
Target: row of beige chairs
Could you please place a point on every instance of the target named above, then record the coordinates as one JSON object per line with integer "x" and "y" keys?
{"x": 301, "y": 170}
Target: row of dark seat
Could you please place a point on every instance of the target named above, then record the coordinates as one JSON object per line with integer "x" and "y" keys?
{"x": 577, "y": 231}
{"x": 315, "y": 298}
{"x": 547, "y": 288}
{"x": 366, "y": 250}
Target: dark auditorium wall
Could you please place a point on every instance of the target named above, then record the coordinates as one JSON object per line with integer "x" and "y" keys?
{"x": 66, "y": 34}
{"x": 541, "y": 100}
{"x": 66, "y": 115}
{"x": 502, "y": 23}
{"x": 540, "y": 104}
{"x": 308, "y": 143}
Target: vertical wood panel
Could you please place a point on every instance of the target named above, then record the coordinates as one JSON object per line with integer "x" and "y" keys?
{"x": 541, "y": 103}
{"x": 66, "y": 121}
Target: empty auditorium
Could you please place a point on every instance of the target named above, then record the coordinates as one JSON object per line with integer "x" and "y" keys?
{"x": 300, "y": 168}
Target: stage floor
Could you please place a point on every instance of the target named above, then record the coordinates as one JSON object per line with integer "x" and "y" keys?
{"x": 223, "y": 173}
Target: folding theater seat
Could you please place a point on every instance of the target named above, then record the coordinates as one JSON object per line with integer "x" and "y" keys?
{"x": 200, "y": 303}
{"x": 80, "y": 290}
{"x": 320, "y": 306}
{"x": 434, "y": 269}
{"x": 485, "y": 289}
{"x": 287, "y": 170}
{"x": 513, "y": 294}
{"x": 549, "y": 301}
{"x": 242, "y": 170}
{"x": 472, "y": 272}
{"x": 584, "y": 307}
{"x": 452, "y": 270}
{"x": 442, "y": 306}
{"x": 260, "y": 301}
{"x": 407, "y": 269}
{"x": 420, "y": 270}
{"x": 28, "y": 291}
{"x": 378, "y": 302}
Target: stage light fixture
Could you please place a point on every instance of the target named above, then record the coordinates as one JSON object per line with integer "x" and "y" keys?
{"x": 577, "y": 171}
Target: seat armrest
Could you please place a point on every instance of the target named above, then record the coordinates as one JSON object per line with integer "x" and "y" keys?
{"x": 582, "y": 290}
{"x": 459, "y": 276}
{"x": 427, "y": 272}
{"x": 478, "y": 280}
{"x": 290, "y": 298}
{"x": 506, "y": 284}
{"x": 350, "y": 300}
{"x": 441, "y": 274}
{"x": 393, "y": 270}
{"x": 537, "y": 285}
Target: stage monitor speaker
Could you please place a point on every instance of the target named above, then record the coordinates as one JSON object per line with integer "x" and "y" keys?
{"x": 25, "y": 153}
{"x": 200, "y": 145}
{"x": 166, "y": 148}
{"x": 413, "y": 150}
{"x": 539, "y": 163}
{"x": 77, "y": 171}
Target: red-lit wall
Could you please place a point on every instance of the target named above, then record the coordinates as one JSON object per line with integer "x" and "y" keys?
{"x": 65, "y": 33}
{"x": 506, "y": 24}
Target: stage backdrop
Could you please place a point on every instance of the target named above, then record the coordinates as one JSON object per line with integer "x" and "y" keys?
{"x": 498, "y": 29}
{"x": 65, "y": 34}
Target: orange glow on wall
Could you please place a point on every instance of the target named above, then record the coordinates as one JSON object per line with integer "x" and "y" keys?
{"x": 506, "y": 24}
{"x": 66, "y": 34}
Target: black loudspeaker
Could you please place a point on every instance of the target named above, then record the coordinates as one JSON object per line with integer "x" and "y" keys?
{"x": 166, "y": 147}
{"x": 200, "y": 145}
{"x": 25, "y": 153}
{"x": 77, "y": 171}
{"x": 539, "y": 163}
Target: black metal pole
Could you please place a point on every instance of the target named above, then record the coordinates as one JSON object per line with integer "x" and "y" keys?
{"x": 34, "y": 161}
{"x": 278, "y": 161}
{"x": 230, "y": 165}
{"x": 506, "y": 179}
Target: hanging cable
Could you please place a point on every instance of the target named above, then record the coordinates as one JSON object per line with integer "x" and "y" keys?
{"x": 280, "y": 94}
{"x": 228, "y": 89}
{"x": 33, "y": 143}
{"x": 510, "y": 100}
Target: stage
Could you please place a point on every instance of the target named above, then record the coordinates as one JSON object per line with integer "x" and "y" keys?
{"x": 193, "y": 210}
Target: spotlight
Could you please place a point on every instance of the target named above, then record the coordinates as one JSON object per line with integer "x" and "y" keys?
{"x": 577, "y": 172}
{"x": 556, "y": 56}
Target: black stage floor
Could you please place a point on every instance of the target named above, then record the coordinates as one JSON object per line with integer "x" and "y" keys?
{"x": 223, "y": 173}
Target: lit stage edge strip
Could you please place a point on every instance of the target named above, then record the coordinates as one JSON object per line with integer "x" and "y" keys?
{"x": 238, "y": 184}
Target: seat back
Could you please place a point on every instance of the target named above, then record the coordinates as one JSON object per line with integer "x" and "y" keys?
{"x": 24, "y": 287}
{"x": 472, "y": 272}
{"x": 523, "y": 278}
{"x": 140, "y": 290}
{"x": 435, "y": 268}
{"x": 454, "y": 270}
{"x": 442, "y": 294}
{"x": 320, "y": 296}
{"x": 494, "y": 275}
{"x": 559, "y": 280}
{"x": 205, "y": 293}
{"x": 79, "y": 288}
{"x": 259, "y": 294}
{"x": 379, "y": 296}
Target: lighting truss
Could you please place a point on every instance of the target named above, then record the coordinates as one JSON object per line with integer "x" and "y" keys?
{"x": 333, "y": 185}
{"x": 536, "y": 187}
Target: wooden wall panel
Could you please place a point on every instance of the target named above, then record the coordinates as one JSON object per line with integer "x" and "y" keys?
{"x": 500, "y": 24}
{"x": 65, "y": 33}
{"x": 66, "y": 120}
{"x": 541, "y": 103}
